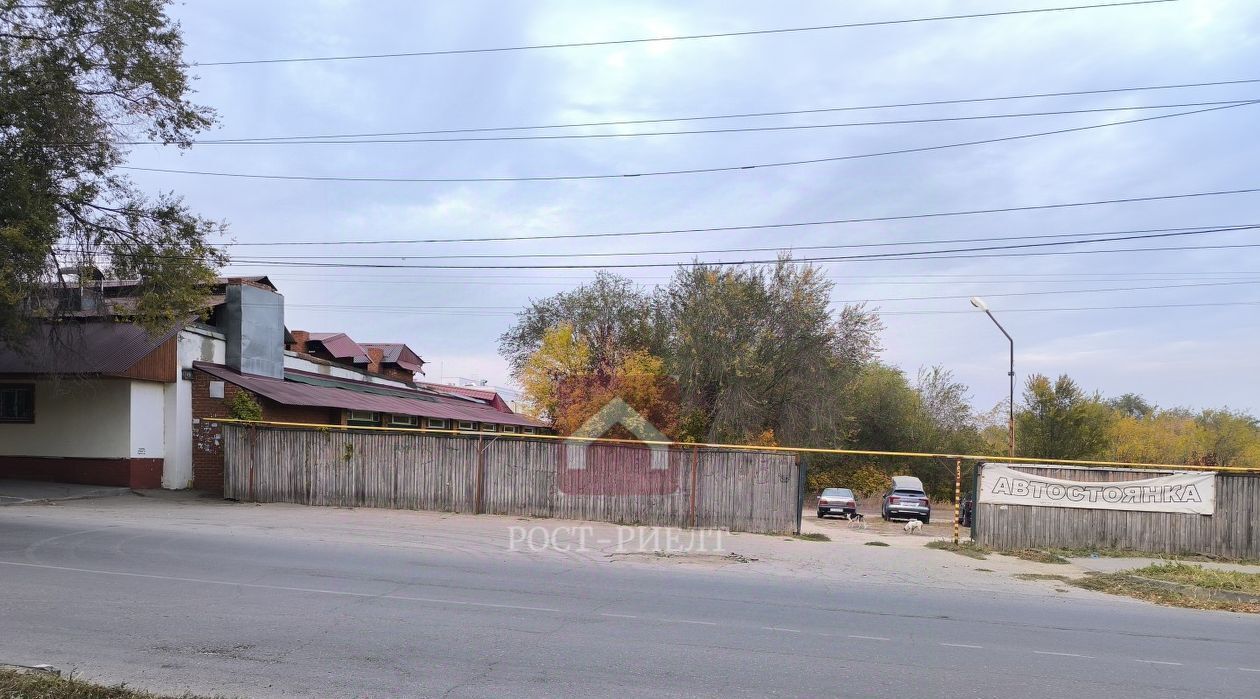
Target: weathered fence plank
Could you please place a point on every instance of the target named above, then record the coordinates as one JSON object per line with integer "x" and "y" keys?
{"x": 1233, "y": 531}
{"x": 627, "y": 484}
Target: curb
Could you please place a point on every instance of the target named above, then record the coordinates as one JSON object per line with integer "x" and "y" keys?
{"x": 85, "y": 496}
{"x": 1200, "y": 592}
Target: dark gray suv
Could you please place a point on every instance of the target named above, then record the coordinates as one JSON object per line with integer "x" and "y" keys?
{"x": 906, "y": 500}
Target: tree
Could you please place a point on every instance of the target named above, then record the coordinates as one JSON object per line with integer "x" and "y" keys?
{"x": 561, "y": 358}
{"x": 1059, "y": 421}
{"x": 79, "y": 79}
{"x": 610, "y": 316}
{"x": 759, "y": 349}
{"x": 1131, "y": 405}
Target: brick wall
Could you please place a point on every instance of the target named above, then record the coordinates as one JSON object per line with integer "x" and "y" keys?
{"x": 207, "y": 456}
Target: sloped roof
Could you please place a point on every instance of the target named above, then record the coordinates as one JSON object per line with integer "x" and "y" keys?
{"x": 358, "y": 397}
{"x": 341, "y": 346}
{"x": 398, "y": 353}
{"x": 87, "y": 347}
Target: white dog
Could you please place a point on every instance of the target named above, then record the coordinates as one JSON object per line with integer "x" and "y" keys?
{"x": 913, "y": 526}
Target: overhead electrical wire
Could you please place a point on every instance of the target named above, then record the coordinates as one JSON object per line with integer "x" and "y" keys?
{"x": 750, "y": 115}
{"x": 1130, "y": 234}
{"x": 722, "y": 263}
{"x": 899, "y": 255}
{"x": 687, "y": 171}
{"x": 684, "y": 37}
{"x": 762, "y": 226}
{"x": 352, "y": 140}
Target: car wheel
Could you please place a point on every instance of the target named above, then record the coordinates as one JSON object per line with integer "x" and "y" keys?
{"x": 820, "y": 515}
{"x": 927, "y": 519}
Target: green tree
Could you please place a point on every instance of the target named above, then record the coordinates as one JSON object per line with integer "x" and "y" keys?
{"x": 1060, "y": 421}
{"x": 759, "y": 349}
{"x": 611, "y": 317}
{"x": 78, "y": 80}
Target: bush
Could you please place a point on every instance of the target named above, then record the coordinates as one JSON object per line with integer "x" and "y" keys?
{"x": 244, "y": 407}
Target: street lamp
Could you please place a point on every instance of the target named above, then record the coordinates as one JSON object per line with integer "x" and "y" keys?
{"x": 1010, "y": 425}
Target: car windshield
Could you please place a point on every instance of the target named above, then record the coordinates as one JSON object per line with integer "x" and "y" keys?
{"x": 837, "y": 493}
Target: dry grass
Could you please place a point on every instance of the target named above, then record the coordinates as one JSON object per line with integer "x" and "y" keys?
{"x": 812, "y": 536}
{"x": 965, "y": 548}
{"x": 17, "y": 685}
{"x": 1198, "y": 576}
{"x": 1122, "y": 584}
{"x": 1129, "y": 553}
{"x": 1035, "y": 555}
{"x": 1040, "y": 576}
{"x": 876, "y": 543}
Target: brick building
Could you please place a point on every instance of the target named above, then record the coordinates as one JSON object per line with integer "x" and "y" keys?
{"x": 102, "y": 401}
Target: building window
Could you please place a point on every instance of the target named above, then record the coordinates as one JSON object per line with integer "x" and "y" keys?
{"x": 17, "y": 402}
{"x": 509, "y": 429}
{"x": 365, "y": 418}
{"x": 485, "y": 427}
{"x": 465, "y": 425}
{"x": 437, "y": 424}
{"x": 404, "y": 420}
{"x": 527, "y": 430}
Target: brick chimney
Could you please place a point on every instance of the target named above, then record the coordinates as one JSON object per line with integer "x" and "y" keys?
{"x": 375, "y": 355}
{"x": 300, "y": 338}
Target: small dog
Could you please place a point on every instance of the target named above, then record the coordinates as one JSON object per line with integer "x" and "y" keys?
{"x": 856, "y": 520}
{"x": 913, "y": 526}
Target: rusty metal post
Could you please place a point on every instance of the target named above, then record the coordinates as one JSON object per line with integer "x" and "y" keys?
{"x": 957, "y": 495}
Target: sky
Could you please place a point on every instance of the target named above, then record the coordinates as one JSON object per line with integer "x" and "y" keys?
{"x": 1179, "y": 352}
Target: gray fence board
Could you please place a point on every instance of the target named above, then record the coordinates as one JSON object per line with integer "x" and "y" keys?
{"x": 737, "y": 490}
{"x": 1232, "y": 532}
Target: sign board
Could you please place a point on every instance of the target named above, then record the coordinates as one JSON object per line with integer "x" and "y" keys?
{"x": 1184, "y": 492}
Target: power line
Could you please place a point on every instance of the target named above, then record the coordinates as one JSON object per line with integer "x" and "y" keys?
{"x": 850, "y": 301}
{"x": 688, "y": 171}
{"x": 762, "y": 226}
{"x": 410, "y": 310}
{"x": 902, "y": 257}
{"x": 1191, "y": 230}
{"x": 1082, "y": 308}
{"x": 340, "y": 140}
{"x": 749, "y": 115}
{"x": 685, "y": 37}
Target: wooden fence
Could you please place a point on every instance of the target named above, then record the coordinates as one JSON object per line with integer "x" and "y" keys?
{"x": 682, "y": 486}
{"x": 1233, "y": 531}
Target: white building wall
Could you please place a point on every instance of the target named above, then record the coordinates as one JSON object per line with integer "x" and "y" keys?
{"x": 87, "y": 418}
{"x": 194, "y": 345}
{"x": 293, "y": 360}
{"x": 147, "y": 435}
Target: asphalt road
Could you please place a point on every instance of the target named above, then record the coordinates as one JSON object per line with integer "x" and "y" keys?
{"x": 236, "y": 609}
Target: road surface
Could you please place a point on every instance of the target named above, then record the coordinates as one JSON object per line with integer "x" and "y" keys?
{"x": 278, "y": 600}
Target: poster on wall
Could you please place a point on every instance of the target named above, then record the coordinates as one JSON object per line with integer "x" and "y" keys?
{"x": 1183, "y": 492}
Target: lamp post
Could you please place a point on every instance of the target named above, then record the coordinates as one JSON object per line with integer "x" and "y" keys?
{"x": 1010, "y": 424}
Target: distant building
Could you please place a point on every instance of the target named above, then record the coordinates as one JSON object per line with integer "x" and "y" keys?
{"x": 96, "y": 399}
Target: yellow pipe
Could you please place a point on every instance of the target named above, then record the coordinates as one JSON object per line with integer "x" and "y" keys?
{"x": 745, "y": 447}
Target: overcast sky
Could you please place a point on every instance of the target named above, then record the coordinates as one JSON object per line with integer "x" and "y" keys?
{"x": 1197, "y": 356}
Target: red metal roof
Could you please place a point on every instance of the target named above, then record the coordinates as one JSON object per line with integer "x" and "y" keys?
{"x": 341, "y": 346}
{"x": 398, "y": 353}
{"x": 348, "y": 398}
{"x": 89, "y": 347}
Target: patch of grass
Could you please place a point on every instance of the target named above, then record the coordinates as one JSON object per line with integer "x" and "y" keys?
{"x": 965, "y": 548}
{"x": 1040, "y": 576}
{"x": 812, "y": 536}
{"x": 1198, "y": 576}
{"x": 1035, "y": 555}
{"x": 1129, "y": 553}
{"x": 1122, "y": 584}
{"x": 876, "y": 543}
{"x": 46, "y": 686}
{"x": 984, "y": 570}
